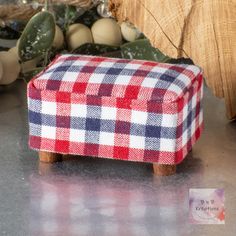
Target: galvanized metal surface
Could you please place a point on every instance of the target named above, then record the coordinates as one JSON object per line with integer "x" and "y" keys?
{"x": 89, "y": 196}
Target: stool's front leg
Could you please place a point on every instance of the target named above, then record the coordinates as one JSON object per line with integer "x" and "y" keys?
{"x": 49, "y": 157}
{"x": 164, "y": 170}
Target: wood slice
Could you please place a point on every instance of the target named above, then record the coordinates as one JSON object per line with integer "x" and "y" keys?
{"x": 204, "y": 30}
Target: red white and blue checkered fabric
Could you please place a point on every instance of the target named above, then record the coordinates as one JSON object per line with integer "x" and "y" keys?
{"x": 114, "y": 108}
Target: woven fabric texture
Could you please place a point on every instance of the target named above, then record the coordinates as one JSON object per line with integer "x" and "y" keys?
{"x": 114, "y": 108}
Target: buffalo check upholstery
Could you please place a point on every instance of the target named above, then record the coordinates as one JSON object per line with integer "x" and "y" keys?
{"x": 123, "y": 109}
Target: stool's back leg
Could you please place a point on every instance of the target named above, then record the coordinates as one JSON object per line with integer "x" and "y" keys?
{"x": 49, "y": 157}
{"x": 164, "y": 170}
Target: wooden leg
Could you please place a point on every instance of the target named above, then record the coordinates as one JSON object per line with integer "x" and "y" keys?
{"x": 45, "y": 168}
{"x": 49, "y": 157}
{"x": 164, "y": 170}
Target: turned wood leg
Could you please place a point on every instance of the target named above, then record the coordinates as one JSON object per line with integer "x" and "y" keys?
{"x": 164, "y": 170}
{"x": 49, "y": 157}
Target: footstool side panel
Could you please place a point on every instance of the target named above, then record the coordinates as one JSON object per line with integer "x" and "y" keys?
{"x": 69, "y": 123}
{"x": 190, "y": 120}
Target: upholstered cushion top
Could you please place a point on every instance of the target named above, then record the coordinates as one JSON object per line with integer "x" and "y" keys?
{"x": 120, "y": 78}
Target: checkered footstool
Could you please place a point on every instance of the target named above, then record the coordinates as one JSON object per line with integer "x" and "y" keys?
{"x": 122, "y": 109}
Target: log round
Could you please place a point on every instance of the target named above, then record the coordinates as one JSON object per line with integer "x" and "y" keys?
{"x": 204, "y": 30}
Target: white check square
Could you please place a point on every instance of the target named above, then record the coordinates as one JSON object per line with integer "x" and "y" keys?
{"x": 193, "y": 126}
{"x": 78, "y": 110}
{"x": 80, "y": 63}
{"x": 185, "y": 112}
{"x": 194, "y": 101}
{"x": 77, "y": 135}
{"x": 132, "y": 66}
{"x": 48, "y": 132}
{"x": 70, "y": 76}
{"x": 139, "y": 117}
{"x": 123, "y": 80}
{"x": 108, "y": 113}
{"x": 158, "y": 69}
{"x": 149, "y": 83}
{"x": 96, "y": 78}
{"x": 49, "y": 108}
{"x": 167, "y": 145}
{"x": 185, "y": 137}
{"x": 169, "y": 120}
{"x": 106, "y": 64}
{"x": 137, "y": 142}
{"x": 106, "y": 138}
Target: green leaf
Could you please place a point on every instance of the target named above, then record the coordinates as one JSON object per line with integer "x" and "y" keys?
{"x": 89, "y": 17}
{"x": 37, "y": 36}
{"x": 65, "y": 15}
{"x": 142, "y": 49}
{"x": 95, "y": 49}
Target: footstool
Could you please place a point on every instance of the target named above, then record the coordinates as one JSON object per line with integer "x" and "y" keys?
{"x": 131, "y": 110}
